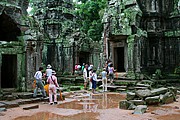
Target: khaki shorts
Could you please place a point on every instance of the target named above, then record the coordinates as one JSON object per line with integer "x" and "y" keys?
{"x": 86, "y": 80}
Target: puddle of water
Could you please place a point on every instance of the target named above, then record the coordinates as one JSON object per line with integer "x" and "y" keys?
{"x": 88, "y": 105}
{"x": 51, "y": 116}
{"x": 106, "y": 101}
{"x": 103, "y": 101}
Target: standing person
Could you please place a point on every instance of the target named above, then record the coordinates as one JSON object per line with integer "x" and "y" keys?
{"x": 104, "y": 79}
{"x": 48, "y": 71}
{"x": 90, "y": 78}
{"x": 83, "y": 66}
{"x": 76, "y": 69}
{"x": 47, "y": 74}
{"x": 39, "y": 83}
{"x": 79, "y": 69}
{"x": 111, "y": 73}
{"x": 91, "y": 65}
{"x": 107, "y": 68}
{"x": 86, "y": 76}
{"x": 94, "y": 79}
{"x": 53, "y": 85}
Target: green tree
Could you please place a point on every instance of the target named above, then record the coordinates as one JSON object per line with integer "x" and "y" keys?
{"x": 89, "y": 14}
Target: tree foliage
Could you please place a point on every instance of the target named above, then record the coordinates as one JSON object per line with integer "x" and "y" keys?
{"x": 89, "y": 17}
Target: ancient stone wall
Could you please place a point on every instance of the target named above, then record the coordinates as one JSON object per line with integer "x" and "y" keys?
{"x": 13, "y": 45}
{"x": 64, "y": 46}
{"x": 151, "y": 30}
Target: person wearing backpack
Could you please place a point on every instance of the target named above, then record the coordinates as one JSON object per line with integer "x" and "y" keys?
{"x": 53, "y": 85}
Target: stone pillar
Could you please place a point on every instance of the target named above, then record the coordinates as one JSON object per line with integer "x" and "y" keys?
{"x": 130, "y": 42}
{"x": 96, "y": 57}
{"x": 0, "y": 68}
{"x": 30, "y": 66}
{"x": 137, "y": 55}
{"x": 137, "y": 58}
{"x": 20, "y": 70}
{"x": 111, "y": 51}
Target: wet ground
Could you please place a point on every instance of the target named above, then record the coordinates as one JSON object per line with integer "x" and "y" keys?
{"x": 86, "y": 106}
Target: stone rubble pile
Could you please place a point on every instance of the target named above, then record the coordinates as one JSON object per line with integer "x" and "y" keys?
{"x": 140, "y": 99}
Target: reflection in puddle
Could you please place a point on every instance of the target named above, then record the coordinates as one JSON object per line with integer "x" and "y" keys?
{"x": 102, "y": 101}
{"x": 51, "y": 116}
{"x": 89, "y": 106}
{"x": 106, "y": 101}
{"x": 39, "y": 116}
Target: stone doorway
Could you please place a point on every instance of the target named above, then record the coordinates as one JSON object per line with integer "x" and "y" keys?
{"x": 83, "y": 57}
{"x": 9, "y": 71}
{"x": 119, "y": 59}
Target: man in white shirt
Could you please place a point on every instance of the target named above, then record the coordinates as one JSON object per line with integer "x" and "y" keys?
{"x": 39, "y": 84}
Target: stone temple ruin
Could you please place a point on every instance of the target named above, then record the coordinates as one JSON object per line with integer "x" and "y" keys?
{"x": 140, "y": 37}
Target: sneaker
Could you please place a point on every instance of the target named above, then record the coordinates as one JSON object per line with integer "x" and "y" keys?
{"x": 51, "y": 103}
{"x": 55, "y": 103}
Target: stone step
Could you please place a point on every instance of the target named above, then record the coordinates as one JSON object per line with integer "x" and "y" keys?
{"x": 25, "y": 95}
{"x": 9, "y": 104}
{"x": 31, "y": 107}
{"x": 136, "y": 88}
{"x": 121, "y": 89}
{"x": 9, "y": 97}
{"x": 75, "y": 88}
{"x": 8, "y": 90}
{"x": 124, "y": 82}
{"x": 143, "y": 85}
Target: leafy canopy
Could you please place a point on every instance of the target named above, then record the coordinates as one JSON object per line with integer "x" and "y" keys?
{"x": 89, "y": 18}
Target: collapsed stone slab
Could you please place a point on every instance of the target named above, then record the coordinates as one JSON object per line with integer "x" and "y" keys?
{"x": 31, "y": 107}
{"x": 148, "y": 97}
{"x": 140, "y": 109}
{"x": 152, "y": 100}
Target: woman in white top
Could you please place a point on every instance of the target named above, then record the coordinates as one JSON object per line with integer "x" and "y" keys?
{"x": 48, "y": 71}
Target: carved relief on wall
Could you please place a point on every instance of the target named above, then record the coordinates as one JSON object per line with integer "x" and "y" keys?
{"x": 152, "y": 5}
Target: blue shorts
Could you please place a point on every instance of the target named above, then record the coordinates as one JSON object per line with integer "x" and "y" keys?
{"x": 93, "y": 84}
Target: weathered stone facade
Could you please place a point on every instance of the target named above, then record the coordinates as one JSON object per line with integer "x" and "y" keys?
{"x": 142, "y": 35}
{"x": 19, "y": 49}
{"x": 64, "y": 45}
